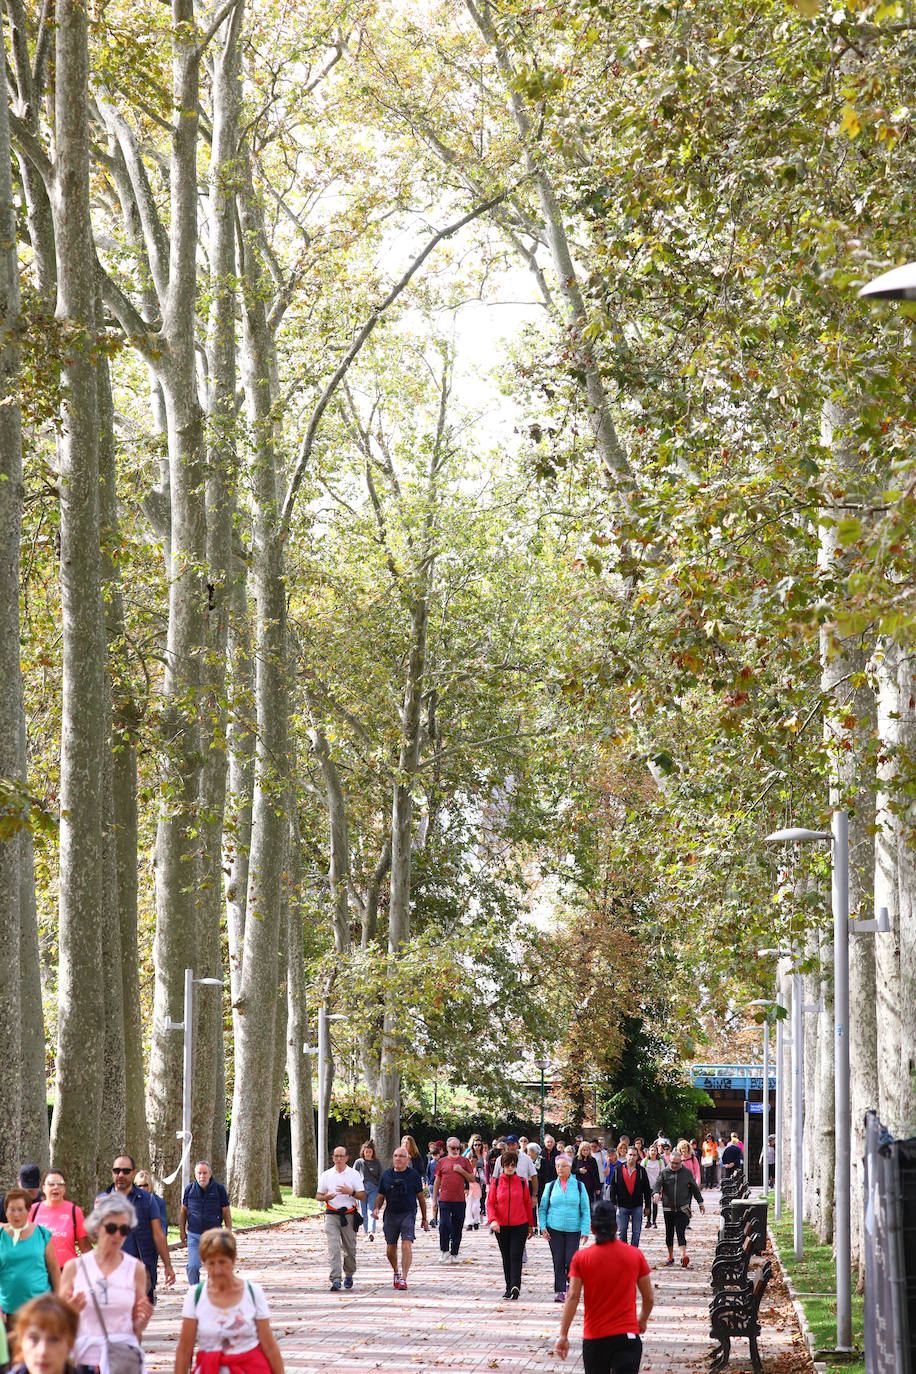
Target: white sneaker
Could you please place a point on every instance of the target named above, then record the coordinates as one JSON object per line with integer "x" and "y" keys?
{"x": 443, "y": 1257}
{"x": 456, "y": 1259}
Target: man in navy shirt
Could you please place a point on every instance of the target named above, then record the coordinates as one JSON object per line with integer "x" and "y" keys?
{"x": 147, "y": 1241}
{"x": 400, "y": 1189}
{"x": 205, "y": 1204}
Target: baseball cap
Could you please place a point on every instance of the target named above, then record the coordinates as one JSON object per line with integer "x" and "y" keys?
{"x": 511, "y": 1139}
{"x": 30, "y": 1176}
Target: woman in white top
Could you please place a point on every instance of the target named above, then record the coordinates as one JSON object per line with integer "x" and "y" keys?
{"x": 106, "y": 1279}
{"x": 226, "y": 1317}
{"x": 653, "y": 1167}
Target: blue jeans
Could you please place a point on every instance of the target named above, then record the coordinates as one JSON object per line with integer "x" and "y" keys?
{"x": 193, "y": 1265}
{"x": 451, "y": 1225}
{"x": 633, "y": 1216}
{"x": 369, "y": 1222}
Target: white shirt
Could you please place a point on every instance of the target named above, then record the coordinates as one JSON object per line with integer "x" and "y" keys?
{"x": 230, "y": 1329}
{"x": 331, "y": 1179}
{"x": 525, "y": 1168}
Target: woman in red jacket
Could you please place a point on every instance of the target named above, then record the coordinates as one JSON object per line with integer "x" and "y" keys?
{"x": 511, "y": 1220}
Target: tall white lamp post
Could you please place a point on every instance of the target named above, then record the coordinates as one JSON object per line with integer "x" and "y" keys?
{"x": 187, "y": 1079}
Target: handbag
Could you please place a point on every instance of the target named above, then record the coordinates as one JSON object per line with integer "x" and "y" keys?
{"x": 123, "y": 1357}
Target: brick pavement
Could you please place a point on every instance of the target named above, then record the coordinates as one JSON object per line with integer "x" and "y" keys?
{"x": 454, "y": 1317}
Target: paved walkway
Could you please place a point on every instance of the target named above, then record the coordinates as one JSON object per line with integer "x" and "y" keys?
{"x": 454, "y": 1318}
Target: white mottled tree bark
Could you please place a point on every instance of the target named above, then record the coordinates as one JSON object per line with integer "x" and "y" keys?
{"x": 889, "y": 838}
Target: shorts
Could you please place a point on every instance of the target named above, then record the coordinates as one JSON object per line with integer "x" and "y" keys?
{"x": 399, "y": 1226}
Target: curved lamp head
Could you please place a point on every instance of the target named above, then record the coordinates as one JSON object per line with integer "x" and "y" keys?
{"x": 897, "y": 285}
{"x": 796, "y": 835}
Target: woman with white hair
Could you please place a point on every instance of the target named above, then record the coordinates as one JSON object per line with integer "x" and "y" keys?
{"x": 108, "y": 1289}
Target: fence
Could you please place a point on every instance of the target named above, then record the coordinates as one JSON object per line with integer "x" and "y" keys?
{"x": 890, "y": 1251}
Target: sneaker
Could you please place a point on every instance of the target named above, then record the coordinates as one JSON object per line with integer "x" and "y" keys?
{"x": 685, "y": 1261}
{"x": 402, "y": 1284}
{"x": 371, "y": 1237}
{"x": 513, "y": 1294}
{"x": 559, "y": 1297}
{"x": 335, "y": 1285}
{"x": 396, "y": 1282}
{"x": 454, "y": 1259}
{"x": 443, "y": 1257}
{"x": 667, "y": 1264}
{"x": 348, "y": 1281}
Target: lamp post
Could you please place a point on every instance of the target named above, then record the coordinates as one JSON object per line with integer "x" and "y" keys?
{"x": 766, "y": 1094}
{"x": 897, "y": 285}
{"x": 187, "y": 1069}
{"x": 838, "y": 835}
{"x": 321, "y": 1049}
{"x": 542, "y": 1065}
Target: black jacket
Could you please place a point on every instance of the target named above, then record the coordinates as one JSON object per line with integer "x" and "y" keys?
{"x": 586, "y": 1171}
{"x": 621, "y": 1196}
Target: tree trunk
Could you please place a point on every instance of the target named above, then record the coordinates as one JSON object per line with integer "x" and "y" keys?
{"x": 252, "y": 1102}
{"x": 889, "y": 839}
{"x": 241, "y": 746}
{"x": 280, "y": 1024}
{"x": 85, "y": 715}
{"x": 825, "y": 1133}
{"x": 906, "y": 889}
{"x": 813, "y": 1028}
{"x": 298, "y": 1059}
{"x": 34, "y": 1087}
{"x": 12, "y": 760}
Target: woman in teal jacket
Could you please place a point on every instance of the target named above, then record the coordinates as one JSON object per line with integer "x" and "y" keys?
{"x": 565, "y": 1214}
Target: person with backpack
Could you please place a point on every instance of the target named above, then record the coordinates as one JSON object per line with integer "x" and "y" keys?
{"x": 63, "y": 1218}
{"x": 565, "y": 1216}
{"x": 226, "y": 1317}
{"x": 510, "y": 1217}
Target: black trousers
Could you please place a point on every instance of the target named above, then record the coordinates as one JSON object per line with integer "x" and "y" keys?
{"x": 676, "y": 1221}
{"x": 612, "y": 1355}
{"x": 511, "y": 1242}
{"x": 563, "y": 1245}
{"x": 709, "y": 1175}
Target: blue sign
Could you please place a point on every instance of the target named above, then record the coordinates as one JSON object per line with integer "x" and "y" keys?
{"x": 737, "y": 1077}
{"x": 754, "y": 1108}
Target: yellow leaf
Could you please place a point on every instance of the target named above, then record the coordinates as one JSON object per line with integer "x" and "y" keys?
{"x": 850, "y": 124}
{"x": 809, "y": 8}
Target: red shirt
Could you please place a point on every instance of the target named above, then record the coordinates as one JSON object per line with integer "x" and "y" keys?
{"x": 451, "y": 1179}
{"x": 509, "y": 1201}
{"x": 609, "y": 1273}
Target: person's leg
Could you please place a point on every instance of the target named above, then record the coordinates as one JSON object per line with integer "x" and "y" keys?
{"x": 625, "y": 1354}
{"x": 348, "y": 1237}
{"x": 406, "y": 1256}
{"x": 623, "y": 1217}
{"x": 193, "y": 1264}
{"x": 332, "y": 1236}
{"x": 392, "y": 1252}
{"x": 680, "y": 1222}
{"x": 596, "y": 1356}
{"x": 572, "y": 1245}
{"x": 669, "y": 1233}
{"x": 557, "y": 1242}
{"x": 502, "y": 1240}
{"x": 635, "y": 1225}
{"x": 459, "y": 1209}
{"x": 152, "y": 1278}
{"x": 445, "y": 1225}
{"x": 517, "y": 1237}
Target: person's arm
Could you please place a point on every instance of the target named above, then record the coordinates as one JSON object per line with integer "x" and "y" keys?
{"x": 183, "y": 1225}
{"x": 436, "y": 1193}
{"x": 697, "y": 1192}
{"x": 268, "y": 1343}
{"x": 185, "y": 1348}
{"x": 561, "y": 1347}
{"x": 380, "y": 1198}
{"x": 227, "y": 1217}
{"x": 646, "y": 1300}
{"x": 52, "y": 1266}
{"x": 461, "y": 1166}
{"x": 421, "y": 1198}
{"x": 162, "y": 1249}
{"x": 143, "y": 1308}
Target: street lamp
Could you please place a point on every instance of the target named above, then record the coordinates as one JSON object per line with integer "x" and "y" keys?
{"x": 542, "y": 1064}
{"x": 187, "y": 1078}
{"x": 760, "y": 1002}
{"x": 897, "y": 285}
{"x": 842, "y": 926}
{"x": 321, "y": 1049}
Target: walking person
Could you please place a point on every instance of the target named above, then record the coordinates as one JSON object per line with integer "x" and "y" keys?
{"x": 226, "y": 1317}
{"x": 29, "y": 1180}
{"x": 477, "y": 1159}
{"x": 511, "y": 1219}
{"x": 340, "y": 1188}
{"x": 610, "y": 1274}
{"x": 768, "y": 1154}
{"x": 549, "y": 1155}
{"x": 146, "y": 1241}
{"x": 144, "y": 1180}
{"x": 44, "y": 1334}
{"x": 675, "y": 1188}
{"x": 108, "y": 1286}
{"x": 399, "y": 1190}
{"x": 28, "y": 1262}
{"x": 709, "y": 1155}
{"x": 413, "y": 1154}
{"x": 63, "y": 1218}
{"x": 585, "y": 1170}
{"x": 369, "y": 1168}
{"x": 453, "y": 1174}
{"x": 631, "y": 1194}
{"x": 653, "y": 1167}
{"x": 732, "y": 1158}
{"x": 565, "y": 1216}
{"x": 688, "y": 1155}
{"x": 205, "y": 1205}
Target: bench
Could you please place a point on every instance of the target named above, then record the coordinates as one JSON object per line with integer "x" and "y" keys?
{"x": 731, "y": 1271}
{"x": 737, "y": 1313}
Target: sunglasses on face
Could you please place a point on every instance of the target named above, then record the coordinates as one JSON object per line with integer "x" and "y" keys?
{"x": 112, "y": 1228}
{"x": 121, "y": 1171}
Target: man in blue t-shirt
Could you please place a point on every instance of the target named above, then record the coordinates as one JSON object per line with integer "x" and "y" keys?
{"x": 400, "y": 1188}
{"x": 147, "y": 1241}
{"x": 205, "y": 1204}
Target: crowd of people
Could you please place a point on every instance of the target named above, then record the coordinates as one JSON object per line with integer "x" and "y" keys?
{"x": 78, "y": 1291}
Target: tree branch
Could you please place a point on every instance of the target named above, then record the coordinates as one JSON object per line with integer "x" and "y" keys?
{"x": 340, "y": 371}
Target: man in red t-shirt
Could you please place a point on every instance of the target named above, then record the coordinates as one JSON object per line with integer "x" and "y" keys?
{"x": 453, "y": 1174}
{"x": 610, "y": 1272}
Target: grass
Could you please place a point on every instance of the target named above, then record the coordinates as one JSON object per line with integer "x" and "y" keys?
{"x": 290, "y": 1209}
{"x": 813, "y": 1276}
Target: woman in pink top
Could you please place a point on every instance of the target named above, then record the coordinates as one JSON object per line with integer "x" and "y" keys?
{"x": 63, "y": 1219}
{"x": 108, "y": 1281}
{"x": 690, "y": 1159}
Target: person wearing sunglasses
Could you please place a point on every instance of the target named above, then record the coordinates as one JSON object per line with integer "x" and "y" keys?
{"x": 147, "y": 1242}
{"x": 63, "y": 1218}
{"x": 107, "y": 1286}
